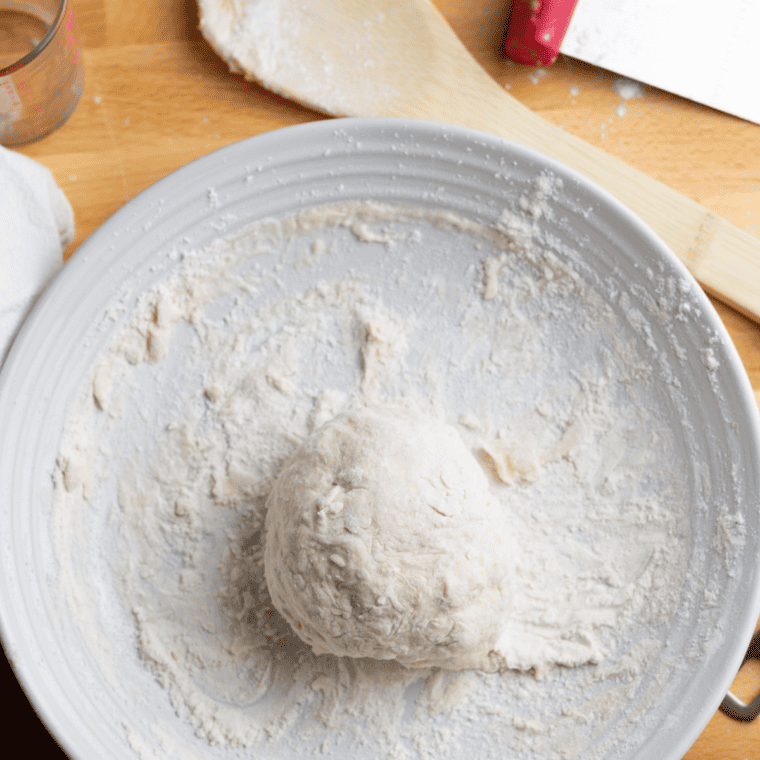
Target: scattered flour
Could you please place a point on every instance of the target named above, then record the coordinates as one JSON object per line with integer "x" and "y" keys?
{"x": 627, "y": 89}
{"x": 537, "y": 75}
{"x": 263, "y": 39}
{"x": 185, "y": 422}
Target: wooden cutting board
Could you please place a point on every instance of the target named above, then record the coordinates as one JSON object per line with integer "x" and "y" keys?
{"x": 156, "y": 97}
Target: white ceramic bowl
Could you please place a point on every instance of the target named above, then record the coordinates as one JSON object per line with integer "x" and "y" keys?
{"x": 708, "y": 398}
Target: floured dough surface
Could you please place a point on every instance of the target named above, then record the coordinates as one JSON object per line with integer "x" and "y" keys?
{"x": 383, "y": 541}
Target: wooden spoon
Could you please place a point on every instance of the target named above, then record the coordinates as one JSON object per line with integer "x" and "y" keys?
{"x": 401, "y": 58}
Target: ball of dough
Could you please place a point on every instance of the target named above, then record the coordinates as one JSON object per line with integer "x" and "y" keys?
{"x": 383, "y": 540}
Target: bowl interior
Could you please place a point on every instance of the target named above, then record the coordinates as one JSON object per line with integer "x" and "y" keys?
{"x": 65, "y": 627}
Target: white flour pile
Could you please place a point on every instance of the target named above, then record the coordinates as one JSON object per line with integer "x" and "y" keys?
{"x": 184, "y": 423}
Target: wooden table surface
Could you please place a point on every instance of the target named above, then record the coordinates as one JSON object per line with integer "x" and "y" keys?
{"x": 157, "y": 97}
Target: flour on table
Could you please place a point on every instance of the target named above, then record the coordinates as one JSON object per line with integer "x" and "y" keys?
{"x": 220, "y": 373}
{"x": 628, "y": 88}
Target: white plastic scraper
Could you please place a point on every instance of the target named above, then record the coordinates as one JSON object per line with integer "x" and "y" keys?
{"x": 698, "y": 49}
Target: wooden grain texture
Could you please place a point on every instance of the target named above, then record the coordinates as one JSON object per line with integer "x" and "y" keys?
{"x": 156, "y": 97}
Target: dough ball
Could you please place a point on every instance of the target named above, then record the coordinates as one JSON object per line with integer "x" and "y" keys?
{"x": 383, "y": 541}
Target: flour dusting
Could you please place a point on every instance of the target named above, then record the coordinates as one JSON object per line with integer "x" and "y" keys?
{"x": 554, "y": 383}
{"x": 628, "y": 89}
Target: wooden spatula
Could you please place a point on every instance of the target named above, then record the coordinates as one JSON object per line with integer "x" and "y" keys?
{"x": 400, "y": 58}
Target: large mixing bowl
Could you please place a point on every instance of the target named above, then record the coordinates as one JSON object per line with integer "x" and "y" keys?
{"x": 50, "y": 629}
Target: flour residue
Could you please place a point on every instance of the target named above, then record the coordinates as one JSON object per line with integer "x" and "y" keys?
{"x": 263, "y": 39}
{"x": 628, "y": 89}
{"x": 183, "y": 424}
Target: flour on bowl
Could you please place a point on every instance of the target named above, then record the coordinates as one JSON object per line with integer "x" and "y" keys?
{"x": 226, "y": 366}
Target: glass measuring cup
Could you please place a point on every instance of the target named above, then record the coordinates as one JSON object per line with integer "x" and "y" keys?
{"x": 41, "y": 71}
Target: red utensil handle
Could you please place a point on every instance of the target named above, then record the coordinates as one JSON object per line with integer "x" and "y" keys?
{"x": 536, "y": 29}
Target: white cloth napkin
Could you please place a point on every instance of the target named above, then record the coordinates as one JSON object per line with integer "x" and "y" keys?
{"x": 36, "y": 225}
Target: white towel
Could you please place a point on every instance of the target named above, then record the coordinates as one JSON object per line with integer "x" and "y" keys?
{"x": 36, "y": 225}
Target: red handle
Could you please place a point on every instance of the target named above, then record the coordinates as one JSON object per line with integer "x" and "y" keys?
{"x": 536, "y": 29}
